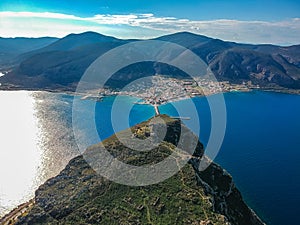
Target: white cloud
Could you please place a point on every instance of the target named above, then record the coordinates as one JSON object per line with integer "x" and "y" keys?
{"x": 56, "y": 24}
{"x": 37, "y": 15}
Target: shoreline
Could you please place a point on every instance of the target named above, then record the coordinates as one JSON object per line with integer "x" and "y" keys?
{"x": 96, "y": 97}
{"x": 12, "y": 216}
{"x": 25, "y": 206}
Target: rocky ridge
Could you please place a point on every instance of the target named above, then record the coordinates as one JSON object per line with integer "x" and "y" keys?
{"x": 79, "y": 195}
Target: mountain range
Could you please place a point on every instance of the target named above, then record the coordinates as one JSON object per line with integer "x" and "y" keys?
{"x": 60, "y": 63}
{"x": 10, "y": 48}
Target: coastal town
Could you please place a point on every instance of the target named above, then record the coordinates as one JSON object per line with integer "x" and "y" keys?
{"x": 159, "y": 90}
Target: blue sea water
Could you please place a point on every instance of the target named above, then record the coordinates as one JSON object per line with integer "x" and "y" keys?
{"x": 260, "y": 148}
{"x": 261, "y": 151}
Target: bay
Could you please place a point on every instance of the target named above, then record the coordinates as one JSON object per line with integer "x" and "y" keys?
{"x": 260, "y": 148}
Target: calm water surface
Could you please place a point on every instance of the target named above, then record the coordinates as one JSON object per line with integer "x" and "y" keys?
{"x": 36, "y": 138}
{"x": 35, "y": 143}
{"x": 260, "y": 149}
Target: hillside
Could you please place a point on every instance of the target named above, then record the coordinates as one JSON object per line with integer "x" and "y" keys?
{"x": 63, "y": 63}
{"x": 10, "y": 48}
{"x": 78, "y": 195}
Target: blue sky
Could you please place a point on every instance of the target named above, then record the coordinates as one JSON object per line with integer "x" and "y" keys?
{"x": 190, "y": 9}
{"x": 256, "y": 21}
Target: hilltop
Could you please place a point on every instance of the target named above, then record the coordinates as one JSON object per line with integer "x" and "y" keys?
{"x": 61, "y": 63}
{"x": 79, "y": 195}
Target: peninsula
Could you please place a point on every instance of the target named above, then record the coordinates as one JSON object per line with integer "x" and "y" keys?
{"x": 78, "y": 195}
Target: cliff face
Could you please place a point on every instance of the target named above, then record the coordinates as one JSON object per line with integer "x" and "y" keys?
{"x": 78, "y": 195}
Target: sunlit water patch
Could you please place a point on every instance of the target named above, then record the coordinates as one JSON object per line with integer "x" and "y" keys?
{"x": 260, "y": 148}
{"x": 37, "y": 139}
{"x": 35, "y": 143}
{"x": 20, "y": 154}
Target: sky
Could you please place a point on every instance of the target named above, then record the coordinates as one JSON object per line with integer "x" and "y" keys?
{"x": 246, "y": 21}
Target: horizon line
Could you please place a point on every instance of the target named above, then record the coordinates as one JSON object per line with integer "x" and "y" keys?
{"x": 150, "y": 38}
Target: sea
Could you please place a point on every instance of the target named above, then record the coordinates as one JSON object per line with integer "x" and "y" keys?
{"x": 260, "y": 147}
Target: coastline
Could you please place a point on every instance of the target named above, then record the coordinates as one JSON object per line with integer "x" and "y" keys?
{"x": 21, "y": 210}
{"x": 93, "y": 95}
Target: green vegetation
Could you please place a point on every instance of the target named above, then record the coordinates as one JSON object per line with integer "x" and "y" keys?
{"x": 78, "y": 195}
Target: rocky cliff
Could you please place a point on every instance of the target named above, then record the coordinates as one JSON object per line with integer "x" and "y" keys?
{"x": 78, "y": 195}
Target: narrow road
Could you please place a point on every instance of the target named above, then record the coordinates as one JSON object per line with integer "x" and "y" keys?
{"x": 157, "y": 113}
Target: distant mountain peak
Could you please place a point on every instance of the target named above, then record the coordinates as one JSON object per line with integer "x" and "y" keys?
{"x": 64, "y": 61}
{"x": 73, "y": 41}
{"x": 89, "y": 34}
{"x": 185, "y": 38}
{"x": 195, "y": 35}
{"x": 186, "y": 33}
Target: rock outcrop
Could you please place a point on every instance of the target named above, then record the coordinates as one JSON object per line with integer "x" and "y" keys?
{"x": 79, "y": 195}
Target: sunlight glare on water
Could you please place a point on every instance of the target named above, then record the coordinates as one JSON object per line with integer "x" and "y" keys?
{"x": 20, "y": 155}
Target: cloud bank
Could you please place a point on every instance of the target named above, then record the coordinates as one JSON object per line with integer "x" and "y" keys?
{"x": 34, "y": 24}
